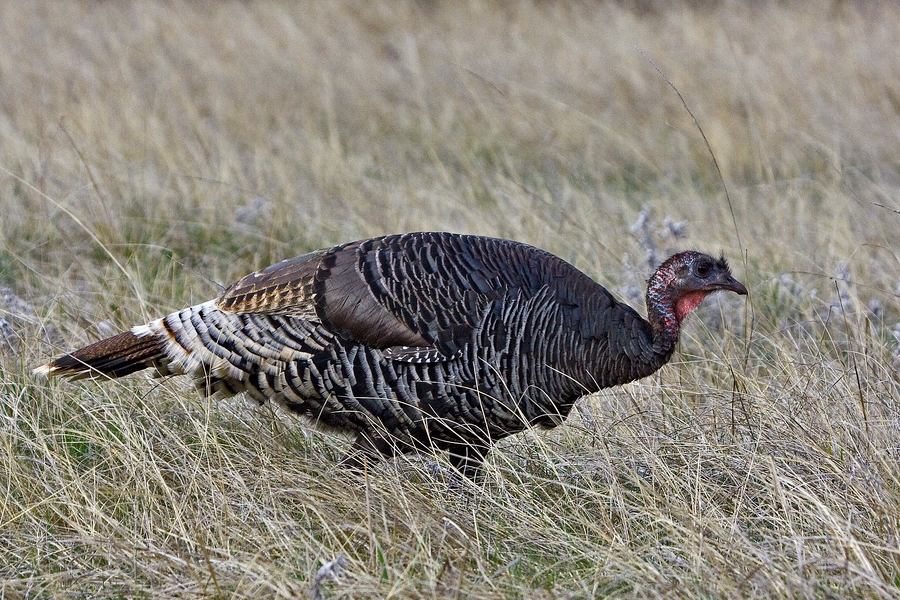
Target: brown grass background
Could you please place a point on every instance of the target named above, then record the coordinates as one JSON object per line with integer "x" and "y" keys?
{"x": 153, "y": 151}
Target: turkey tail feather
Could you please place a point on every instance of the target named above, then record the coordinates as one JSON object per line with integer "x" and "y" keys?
{"x": 116, "y": 356}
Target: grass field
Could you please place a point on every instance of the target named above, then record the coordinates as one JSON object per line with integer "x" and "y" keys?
{"x": 151, "y": 152}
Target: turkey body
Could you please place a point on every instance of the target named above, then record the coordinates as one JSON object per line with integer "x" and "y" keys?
{"x": 415, "y": 341}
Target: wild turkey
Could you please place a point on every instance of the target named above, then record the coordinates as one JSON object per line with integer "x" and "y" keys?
{"x": 416, "y": 340}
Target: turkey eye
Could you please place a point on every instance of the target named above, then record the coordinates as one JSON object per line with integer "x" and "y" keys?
{"x": 703, "y": 269}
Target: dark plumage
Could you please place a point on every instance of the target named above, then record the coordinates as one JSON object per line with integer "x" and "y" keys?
{"x": 417, "y": 340}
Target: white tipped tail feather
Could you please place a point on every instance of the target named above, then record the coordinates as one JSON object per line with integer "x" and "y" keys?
{"x": 218, "y": 349}
{"x": 46, "y": 370}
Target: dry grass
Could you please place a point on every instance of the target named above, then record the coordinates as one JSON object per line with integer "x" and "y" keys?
{"x": 149, "y": 150}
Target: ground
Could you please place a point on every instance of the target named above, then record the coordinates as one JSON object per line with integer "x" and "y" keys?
{"x": 153, "y": 152}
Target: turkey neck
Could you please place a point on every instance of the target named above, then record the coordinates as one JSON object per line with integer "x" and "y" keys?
{"x": 665, "y": 310}
{"x": 622, "y": 346}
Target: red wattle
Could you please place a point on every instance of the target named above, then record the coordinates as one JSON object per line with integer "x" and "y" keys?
{"x": 687, "y": 303}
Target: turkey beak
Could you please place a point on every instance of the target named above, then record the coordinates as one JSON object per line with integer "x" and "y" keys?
{"x": 732, "y": 285}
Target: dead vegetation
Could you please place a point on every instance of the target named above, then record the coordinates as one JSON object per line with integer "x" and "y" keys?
{"x": 152, "y": 151}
